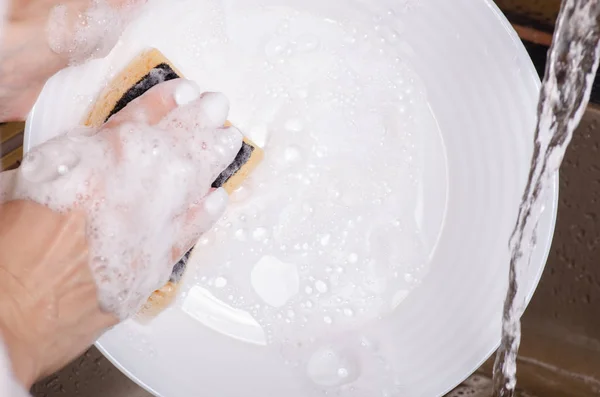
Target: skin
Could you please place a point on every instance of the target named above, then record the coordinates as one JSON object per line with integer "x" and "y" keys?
{"x": 49, "y": 309}
{"x": 49, "y": 312}
{"x": 46, "y": 287}
{"x": 26, "y": 59}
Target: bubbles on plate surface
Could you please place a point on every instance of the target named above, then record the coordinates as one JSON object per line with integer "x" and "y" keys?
{"x": 324, "y": 237}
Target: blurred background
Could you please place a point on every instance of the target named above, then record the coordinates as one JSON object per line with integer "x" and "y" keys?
{"x": 560, "y": 352}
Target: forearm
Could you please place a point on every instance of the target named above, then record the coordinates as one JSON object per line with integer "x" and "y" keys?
{"x": 49, "y": 311}
{"x": 14, "y": 297}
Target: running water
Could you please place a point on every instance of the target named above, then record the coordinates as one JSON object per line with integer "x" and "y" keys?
{"x": 570, "y": 71}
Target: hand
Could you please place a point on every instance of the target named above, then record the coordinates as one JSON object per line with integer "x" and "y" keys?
{"x": 40, "y": 37}
{"x": 137, "y": 190}
{"x": 49, "y": 311}
{"x": 141, "y": 180}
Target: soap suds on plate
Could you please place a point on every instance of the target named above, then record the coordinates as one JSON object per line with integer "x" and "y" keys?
{"x": 342, "y": 120}
{"x": 351, "y": 148}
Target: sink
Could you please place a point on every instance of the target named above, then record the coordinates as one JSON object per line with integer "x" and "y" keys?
{"x": 560, "y": 351}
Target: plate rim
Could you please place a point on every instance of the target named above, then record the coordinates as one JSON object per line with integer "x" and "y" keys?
{"x": 552, "y": 206}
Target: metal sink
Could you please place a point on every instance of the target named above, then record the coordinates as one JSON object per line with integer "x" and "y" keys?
{"x": 560, "y": 352}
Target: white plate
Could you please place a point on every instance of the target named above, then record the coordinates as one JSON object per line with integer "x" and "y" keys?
{"x": 483, "y": 90}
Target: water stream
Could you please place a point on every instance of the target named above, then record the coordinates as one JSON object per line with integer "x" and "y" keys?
{"x": 570, "y": 71}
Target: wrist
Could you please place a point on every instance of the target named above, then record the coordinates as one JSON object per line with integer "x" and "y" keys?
{"x": 27, "y": 62}
{"x": 49, "y": 309}
{"x": 24, "y": 360}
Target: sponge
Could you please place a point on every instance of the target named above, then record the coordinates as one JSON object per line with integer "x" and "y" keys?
{"x": 147, "y": 70}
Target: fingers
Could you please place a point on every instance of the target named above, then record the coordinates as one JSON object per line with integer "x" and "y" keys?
{"x": 200, "y": 123}
{"x": 206, "y": 111}
{"x": 198, "y": 219}
{"x": 224, "y": 145}
{"x": 156, "y": 103}
{"x": 150, "y": 108}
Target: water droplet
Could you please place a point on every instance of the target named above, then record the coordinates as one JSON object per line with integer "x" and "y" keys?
{"x": 276, "y": 47}
{"x": 353, "y": 258}
{"x": 241, "y": 234}
{"x": 294, "y": 125}
{"x": 62, "y": 169}
{"x": 350, "y": 39}
{"x": 275, "y": 281}
{"x": 302, "y": 94}
{"x": 207, "y": 238}
{"x": 348, "y": 312}
{"x": 260, "y": 233}
{"x": 292, "y": 154}
{"x": 329, "y": 367}
{"x": 342, "y": 373}
{"x": 327, "y": 320}
{"x": 48, "y": 162}
{"x": 307, "y": 43}
{"x": 325, "y": 239}
{"x": 220, "y": 282}
{"x": 321, "y": 286}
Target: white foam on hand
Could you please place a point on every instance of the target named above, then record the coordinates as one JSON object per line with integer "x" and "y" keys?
{"x": 90, "y": 33}
{"x": 143, "y": 187}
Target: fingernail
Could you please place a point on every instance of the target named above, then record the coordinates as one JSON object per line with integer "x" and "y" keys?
{"x": 216, "y": 107}
{"x": 215, "y": 202}
{"x": 187, "y": 91}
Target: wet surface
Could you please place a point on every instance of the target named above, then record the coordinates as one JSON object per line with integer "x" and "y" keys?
{"x": 560, "y": 353}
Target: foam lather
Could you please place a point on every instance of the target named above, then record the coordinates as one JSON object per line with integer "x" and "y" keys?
{"x": 147, "y": 70}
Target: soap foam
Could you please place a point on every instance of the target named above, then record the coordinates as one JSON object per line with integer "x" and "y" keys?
{"x": 326, "y": 90}
{"x": 137, "y": 198}
{"x": 341, "y": 117}
{"x": 335, "y": 197}
{"x": 91, "y": 33}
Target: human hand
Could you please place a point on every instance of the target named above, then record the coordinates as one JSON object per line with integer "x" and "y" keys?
{"x": 135, "y": 190}
{"x": 40, "y": 37}
{"x": 141, "y": 180}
